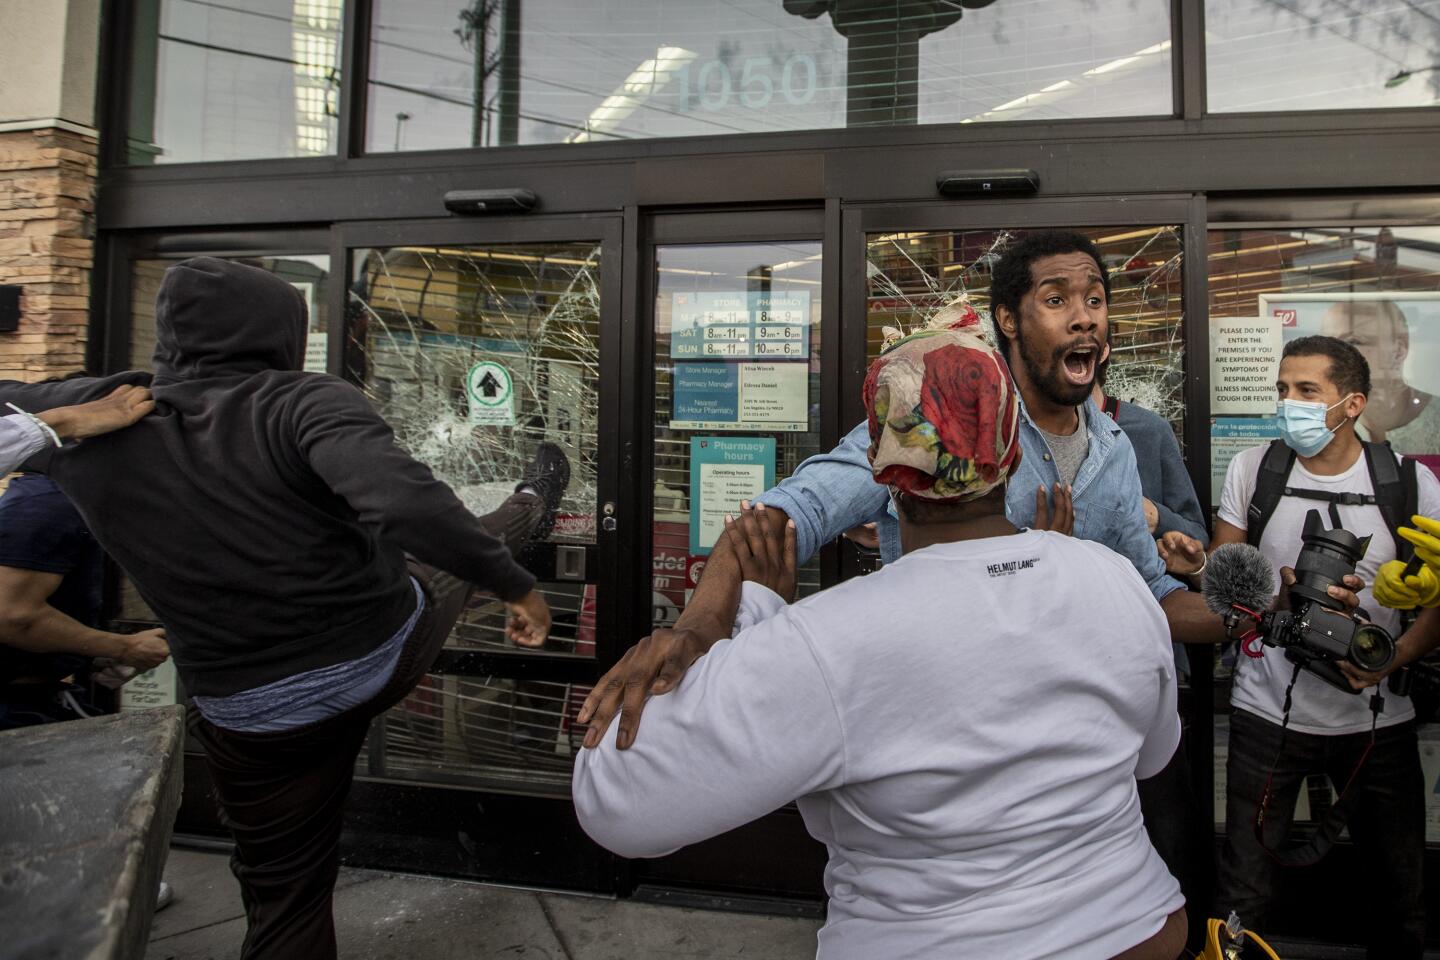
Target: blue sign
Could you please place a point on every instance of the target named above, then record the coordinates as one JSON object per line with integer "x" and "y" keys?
{"x": 1229, "y": 436}
{"x": 723, "y": 472}
{"x": 707, "y": 392}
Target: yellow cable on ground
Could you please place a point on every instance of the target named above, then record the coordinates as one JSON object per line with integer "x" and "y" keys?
{"x": 1217, "y": 938}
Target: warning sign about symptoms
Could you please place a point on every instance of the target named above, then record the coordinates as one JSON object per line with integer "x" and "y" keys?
{"x": 1244, "y": 356}
{"x": 491, "y": 393}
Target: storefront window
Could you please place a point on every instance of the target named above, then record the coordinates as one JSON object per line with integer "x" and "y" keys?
{"x": 1265, "y": 55}
{"x": 234, "y": 81}
{"x": 475, "y": 355}
{"x": 548, "y": 71}
{"x": 912, "y": 275}
{"x": 1373, "y": 287}
{"x": 737, "y": 381}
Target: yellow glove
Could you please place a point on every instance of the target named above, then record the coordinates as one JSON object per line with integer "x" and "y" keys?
{"x": 1426, "y": 540}
{"x": 1398, "y": 592}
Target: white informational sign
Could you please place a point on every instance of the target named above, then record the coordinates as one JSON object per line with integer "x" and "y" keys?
{"x": 315, "y": 351}
{"x": 1244, "y": 358}
{"x": 491, "y": 392}
{"x": 153, "y": 688}
{"x": 722, "y": 487}
{"x": 740, "y": 325}
{"x": 741, "y": 396}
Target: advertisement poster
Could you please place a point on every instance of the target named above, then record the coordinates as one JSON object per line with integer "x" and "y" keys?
{"x": 723, "y": 472}
{"x": 1229, "y": 436}
{"x": 1398, "y": 333}
{"x": 741, "y": 396}
{"x": 1244, "y": 355}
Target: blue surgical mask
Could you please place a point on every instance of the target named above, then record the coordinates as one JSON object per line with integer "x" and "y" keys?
{"x": 1302, "y": 424}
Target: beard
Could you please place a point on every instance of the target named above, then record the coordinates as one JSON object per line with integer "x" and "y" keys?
{"x": 1044, "y": 371}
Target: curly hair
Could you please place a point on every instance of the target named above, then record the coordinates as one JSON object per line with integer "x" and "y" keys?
{"x": 1012, "y": 280}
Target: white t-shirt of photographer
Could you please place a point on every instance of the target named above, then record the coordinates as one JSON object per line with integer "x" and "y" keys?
{"x": 1259, "y": 688}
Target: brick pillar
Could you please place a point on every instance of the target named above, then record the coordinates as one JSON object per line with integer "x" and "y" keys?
{"x": 47, "y": 186}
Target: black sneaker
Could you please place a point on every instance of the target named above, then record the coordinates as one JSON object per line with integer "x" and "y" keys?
{"x": 547, "y": 474}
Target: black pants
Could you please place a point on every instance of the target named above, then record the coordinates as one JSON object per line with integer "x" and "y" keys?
{"x": 1387, "y": 825}
{"x": 282, "y": 794}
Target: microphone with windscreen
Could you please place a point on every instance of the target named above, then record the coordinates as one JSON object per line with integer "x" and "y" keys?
{"x": 1238, "y": 575}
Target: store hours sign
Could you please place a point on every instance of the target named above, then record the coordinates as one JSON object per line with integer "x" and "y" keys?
{"x": 741, "y": 360}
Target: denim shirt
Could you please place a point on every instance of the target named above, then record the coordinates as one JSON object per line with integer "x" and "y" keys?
{"x": 831, "y": 492}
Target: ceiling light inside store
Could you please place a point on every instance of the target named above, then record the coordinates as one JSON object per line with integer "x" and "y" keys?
{"x": 647, "y": 80}
{"x": 1065, "y": 88}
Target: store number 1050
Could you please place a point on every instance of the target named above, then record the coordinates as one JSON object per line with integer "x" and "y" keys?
{"x": 716, "y": 82}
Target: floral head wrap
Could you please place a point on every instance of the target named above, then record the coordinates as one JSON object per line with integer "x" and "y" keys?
{"x": 944, "y": 419}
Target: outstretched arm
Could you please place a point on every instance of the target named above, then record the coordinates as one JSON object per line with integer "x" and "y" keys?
{"x": 28, "y": 622}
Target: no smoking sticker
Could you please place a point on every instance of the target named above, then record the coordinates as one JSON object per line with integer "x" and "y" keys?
{"x": 491, "y": 392}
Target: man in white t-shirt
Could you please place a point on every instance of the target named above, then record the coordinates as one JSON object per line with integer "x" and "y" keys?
{"x": 972, "y": 779}
{"x": 1323, "y": 384}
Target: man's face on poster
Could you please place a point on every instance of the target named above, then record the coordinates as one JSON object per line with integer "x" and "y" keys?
{"x": 1378, "y": 330}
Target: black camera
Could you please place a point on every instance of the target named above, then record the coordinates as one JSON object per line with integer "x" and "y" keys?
{"x": 1316, "y": 632}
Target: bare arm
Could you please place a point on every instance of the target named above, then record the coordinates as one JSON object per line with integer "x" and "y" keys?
{"x": 28, "y": 622}
{"x": 658, "y": 662}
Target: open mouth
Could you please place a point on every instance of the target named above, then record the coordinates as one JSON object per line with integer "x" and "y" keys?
{"x": 1079, "y": 364}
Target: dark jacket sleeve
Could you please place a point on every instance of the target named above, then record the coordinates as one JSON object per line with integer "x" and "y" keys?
{"x": 1178, "y": 506}
{"x": 352, "y": 449}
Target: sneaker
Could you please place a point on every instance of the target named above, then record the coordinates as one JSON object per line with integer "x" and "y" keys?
{"x": 546, "y": 476}
{"x": 164, "y": 898}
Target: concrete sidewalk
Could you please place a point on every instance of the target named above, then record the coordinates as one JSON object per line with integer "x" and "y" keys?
{"x": 385, "y": 916}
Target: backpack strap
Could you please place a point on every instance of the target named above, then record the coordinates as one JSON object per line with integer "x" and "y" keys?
{"x": 1111, "y": 408}
{"x": 1397, "y": 491}
{"x": 1269, "y": 488}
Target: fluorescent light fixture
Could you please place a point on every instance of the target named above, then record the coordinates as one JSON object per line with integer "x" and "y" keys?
{"x": 646, "y": 80}
{"x": 1063, "y": 88}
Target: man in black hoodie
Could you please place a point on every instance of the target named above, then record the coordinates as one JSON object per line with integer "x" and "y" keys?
{"x": 265, "y": 515}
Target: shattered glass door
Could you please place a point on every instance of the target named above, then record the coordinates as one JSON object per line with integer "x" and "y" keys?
{"x": 483, "y": 358}
{"x": 912, "y": 275}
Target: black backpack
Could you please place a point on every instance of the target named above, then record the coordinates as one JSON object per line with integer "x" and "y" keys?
{"x": 1395, "y": 486}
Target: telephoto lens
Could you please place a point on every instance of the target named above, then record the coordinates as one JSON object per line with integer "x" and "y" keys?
{"x": 1326, "y": 558}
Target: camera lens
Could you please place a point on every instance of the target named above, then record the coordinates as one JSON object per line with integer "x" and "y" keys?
{"x": 1371, "y": 649}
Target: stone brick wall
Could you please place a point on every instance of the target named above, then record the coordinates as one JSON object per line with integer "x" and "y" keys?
{"x": 47, "y": 189}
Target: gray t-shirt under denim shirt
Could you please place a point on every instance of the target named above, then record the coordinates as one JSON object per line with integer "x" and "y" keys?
{"x": 1068, "y": 451}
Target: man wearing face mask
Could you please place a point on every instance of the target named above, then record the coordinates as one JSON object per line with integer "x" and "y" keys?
{"x": 1323, "y": 385}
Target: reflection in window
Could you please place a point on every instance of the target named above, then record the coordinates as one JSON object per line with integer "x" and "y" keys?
{"x": 497, "y": 72}
{"x": 424, "y": 322}
{"x": 728, "y": 372}
{"x": 1264, "y": 55}
{"x": 1374, "y": 287}
{"x": 912, "y": 275}
{"x": 216, "y": 80}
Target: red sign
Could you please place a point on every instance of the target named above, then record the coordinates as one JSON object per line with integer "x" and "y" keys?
{"x": 1288, "y": 318}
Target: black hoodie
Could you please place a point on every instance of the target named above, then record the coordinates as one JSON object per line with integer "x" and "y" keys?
{"x": 263, "y": 512}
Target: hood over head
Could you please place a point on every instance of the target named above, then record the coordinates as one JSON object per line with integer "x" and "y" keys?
{"x": 217, "y": 318}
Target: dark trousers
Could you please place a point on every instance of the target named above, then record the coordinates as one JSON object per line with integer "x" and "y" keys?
{"x": 282, "y": 795}
{"x": 1387, "y": 825}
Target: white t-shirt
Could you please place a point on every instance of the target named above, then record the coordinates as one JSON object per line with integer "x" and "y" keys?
{"x": 1317, "y": 707}
{"x": 963, "y": 730}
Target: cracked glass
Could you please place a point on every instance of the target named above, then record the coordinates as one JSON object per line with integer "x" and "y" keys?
{"x": 912, "y": 275}
{"x": 475, "y": 356}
